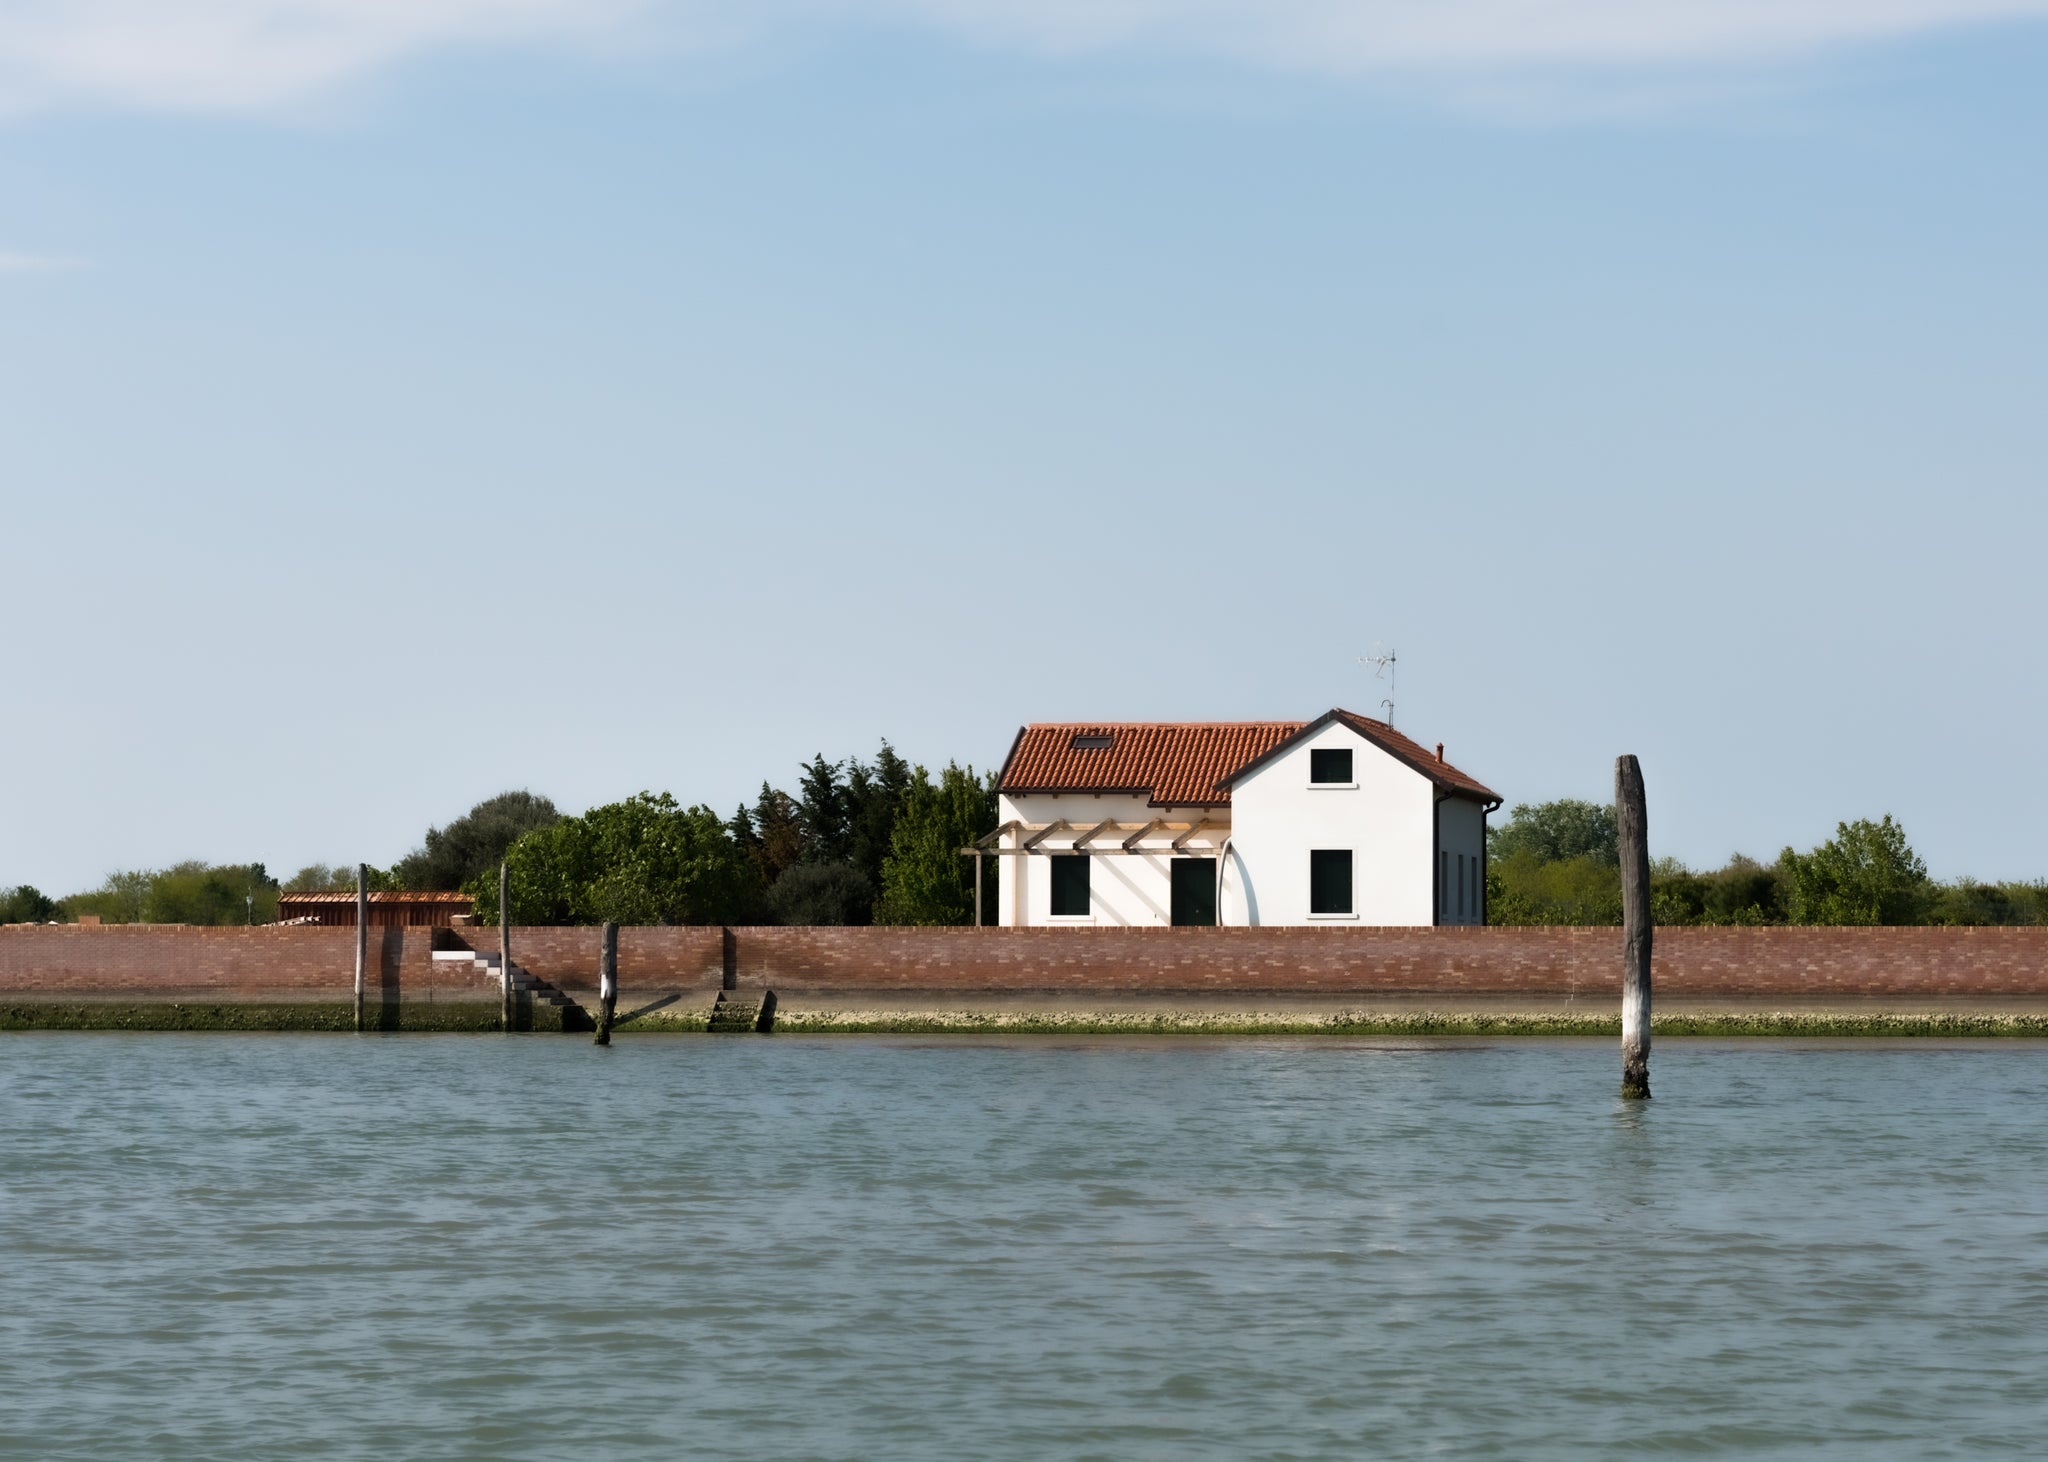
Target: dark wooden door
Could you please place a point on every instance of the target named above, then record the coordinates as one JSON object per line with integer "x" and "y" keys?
{"x": 1194, "y": 890}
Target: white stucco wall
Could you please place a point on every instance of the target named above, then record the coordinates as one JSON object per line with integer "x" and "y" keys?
{"x": 1386, "y": 820}
{"x": 1122, "y": 888}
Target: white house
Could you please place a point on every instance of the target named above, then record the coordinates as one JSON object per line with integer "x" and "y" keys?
{"x": 1337, "y": 820}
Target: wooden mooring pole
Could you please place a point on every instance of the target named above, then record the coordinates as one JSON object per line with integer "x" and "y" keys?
{"x": 505, "y": 940}
{"x": 607, "y": 982}
{"x": 362, "y": 934}
{"x": 1631, "y": 822}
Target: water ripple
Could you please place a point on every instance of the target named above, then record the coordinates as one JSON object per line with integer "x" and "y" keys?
{"x": 866, "y": 1248}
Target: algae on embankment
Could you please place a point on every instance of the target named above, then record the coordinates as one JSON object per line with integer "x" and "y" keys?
{"x": 478, "y": 1017}
{"x": 151, "y": 1015}
{"x": 1370, "y": 1023}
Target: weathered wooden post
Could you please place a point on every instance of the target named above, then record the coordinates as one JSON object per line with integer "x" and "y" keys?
{"x": 1631, "y": 822}
{"x": 362, "y": 934}
{"x": 505, "y": 940}
{"x": 607, "y": 982}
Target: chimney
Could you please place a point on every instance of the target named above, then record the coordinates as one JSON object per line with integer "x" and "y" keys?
{"x": 1439, "y": 751}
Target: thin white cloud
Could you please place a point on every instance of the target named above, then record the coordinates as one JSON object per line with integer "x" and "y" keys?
{"x": 251, "y": 55}
{"x": 18, "y": 263}
{"x": 1454, "y": 35}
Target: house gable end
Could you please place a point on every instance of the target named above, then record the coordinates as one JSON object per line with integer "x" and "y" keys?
{"x": 1382, "y": 737}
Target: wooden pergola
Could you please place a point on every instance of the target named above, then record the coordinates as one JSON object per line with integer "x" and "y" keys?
{"x": 1086, "y": 840}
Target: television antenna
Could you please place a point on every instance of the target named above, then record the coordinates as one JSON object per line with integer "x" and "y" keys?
{"x": 1382, "y": 662}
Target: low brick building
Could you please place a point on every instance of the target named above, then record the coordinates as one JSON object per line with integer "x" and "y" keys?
{"x": 387, "y": 910}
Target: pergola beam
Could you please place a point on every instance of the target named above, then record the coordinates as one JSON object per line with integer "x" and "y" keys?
{"x": 1031, "y": 843}
{"x": 1096, "y": 831}
{"x": 1131, "y": 842}
{"x": 1029, "y": 846}
{"x": 990, "y": 839}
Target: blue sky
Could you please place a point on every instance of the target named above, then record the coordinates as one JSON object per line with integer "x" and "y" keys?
{"x": 400, "y": 403}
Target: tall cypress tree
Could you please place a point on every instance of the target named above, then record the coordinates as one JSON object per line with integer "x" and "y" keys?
{"x": 779, "y": 831}
{"x": 876, "y": 794}
{"x": 825, "y": 804}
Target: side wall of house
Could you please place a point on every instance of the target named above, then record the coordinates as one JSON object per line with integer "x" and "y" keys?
{"x": 1460, "y": 861}
{"x": 1387, "y": 820}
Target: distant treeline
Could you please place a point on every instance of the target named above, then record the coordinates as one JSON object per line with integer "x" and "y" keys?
{"x": 877, "y": 841}
{"x": 1558, "y": 863}
{"x": 856, "y": 843}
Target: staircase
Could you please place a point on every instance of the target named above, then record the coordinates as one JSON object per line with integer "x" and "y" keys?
{"x": 529, "y": 990}
{"x": 742, "y": 1010}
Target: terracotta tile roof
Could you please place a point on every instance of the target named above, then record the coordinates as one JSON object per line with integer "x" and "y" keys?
{"x": 1175, "y": 763}
{"x": 1424, "y": 761}
{"x": 1190, "y": 763}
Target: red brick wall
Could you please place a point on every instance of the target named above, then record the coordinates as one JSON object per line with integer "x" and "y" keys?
{"x": 172, "y": 960}
{"x": 317, "y": 963}
{"x": 1688, "y": 962}
{"x": 650, "y": 957}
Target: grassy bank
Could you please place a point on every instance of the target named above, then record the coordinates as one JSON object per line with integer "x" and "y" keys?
{"x": 1370, "y": 1023}
{"x": 293, "y": 1016}
{"x": 479, "y": 1017}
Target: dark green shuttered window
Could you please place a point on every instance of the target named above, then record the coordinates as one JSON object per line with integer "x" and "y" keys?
{"x": 1329, "y": 881}
{"x": 1194, "y": 891}
{"x": 1070, "y": 883}
{"x": 1330, "y": 764}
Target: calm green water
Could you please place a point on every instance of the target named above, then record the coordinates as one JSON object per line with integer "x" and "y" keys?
{"x": 891, "y": 1248}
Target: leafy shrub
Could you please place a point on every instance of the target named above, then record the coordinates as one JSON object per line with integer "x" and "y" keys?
{"x": 821, "y": 893}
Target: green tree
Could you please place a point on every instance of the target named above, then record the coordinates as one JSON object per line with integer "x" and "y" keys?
{"x": 472, "y": 845}
{"x": 924, "y": 879}
{"x": 1968, "y": 901}
{"x": 1866, "y": 874}
{"x": 647, "y": 860}
{"x": 821, "y": 893}
{"x": 26, "y": 905}
{"x": 874, "y": 797}
{"x": 341, "y": 878}
{"x": 121, "y": 899}
{"x": 1524, "y": 888}
{"x": 1554, "y": 832}
{"x": 826, "y": 811}
{"x": 1742, "y": 892}
{"x": 778, "y": 840}
{"x": 192, "y": 892}
{"x": 1745, "y": 891}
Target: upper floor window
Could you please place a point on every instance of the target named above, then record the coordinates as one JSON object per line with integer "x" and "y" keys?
{"x": 1330, "y": 764}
